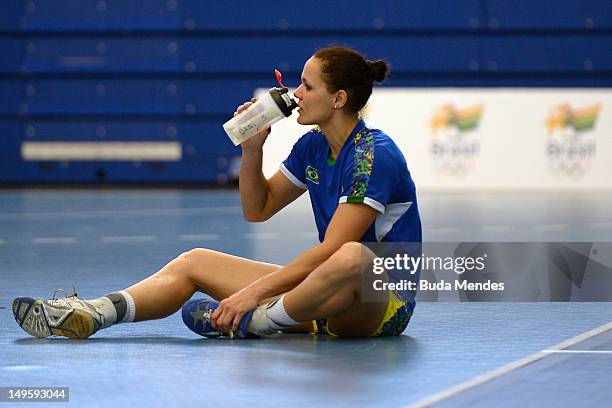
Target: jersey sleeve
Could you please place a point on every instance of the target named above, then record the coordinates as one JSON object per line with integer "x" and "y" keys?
{"x": 294, "y": 165}
{"x": 371, "y": 177}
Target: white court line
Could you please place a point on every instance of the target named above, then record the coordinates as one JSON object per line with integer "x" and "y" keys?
{"x": 498, "y": 372}
{"x": 113, "y": 214}
{"x": 54, "y": 240}
{"x": 579, "y": 351}
{"x": 199, "y": 237}
{"x": 260, "y": 235}
{"x": 128, "y": 238}
{"x": 23, "y": 367}
{"x": 600, "y": 225}
{"x": 551, "y": 227}
{"x": 442, "y": 231}
{"x": 497, "y": 228}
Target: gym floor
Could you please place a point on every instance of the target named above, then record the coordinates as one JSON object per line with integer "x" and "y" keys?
{"x": 103, "y": 240}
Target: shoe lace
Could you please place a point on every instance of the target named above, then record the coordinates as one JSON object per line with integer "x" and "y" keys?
{"x": 64, "y": 300}
{"x": 207, "y": 314}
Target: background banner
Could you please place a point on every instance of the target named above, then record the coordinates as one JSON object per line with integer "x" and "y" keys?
{"x": 463, "y": 139}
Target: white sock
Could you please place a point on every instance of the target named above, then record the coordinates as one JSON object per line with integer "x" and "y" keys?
{"x": 278, "y": 315}
{"x": 130, "y": 313}
{"x": 259, "y": 323}
{"x": 270, "y": 318}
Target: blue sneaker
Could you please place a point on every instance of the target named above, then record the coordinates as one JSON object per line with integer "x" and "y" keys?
{"x": 196, "y": 316}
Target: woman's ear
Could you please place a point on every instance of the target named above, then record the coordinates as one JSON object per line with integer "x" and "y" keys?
{"x": 340, "y": 99}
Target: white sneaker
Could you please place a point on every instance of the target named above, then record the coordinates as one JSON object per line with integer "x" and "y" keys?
{"x": 69, "y": 317}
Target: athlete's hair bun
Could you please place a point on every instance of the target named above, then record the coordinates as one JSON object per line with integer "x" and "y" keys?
{"x": 378, "y": 70}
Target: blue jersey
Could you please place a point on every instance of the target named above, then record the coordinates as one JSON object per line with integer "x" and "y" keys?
{"x": 369, "y": 169}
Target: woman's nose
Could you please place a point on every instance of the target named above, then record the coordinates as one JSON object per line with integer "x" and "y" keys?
{"x": 298, "y": 92}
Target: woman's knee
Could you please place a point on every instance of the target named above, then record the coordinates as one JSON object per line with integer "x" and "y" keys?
{"x": 350, "y": 260}
{"x": 187, "y": 262}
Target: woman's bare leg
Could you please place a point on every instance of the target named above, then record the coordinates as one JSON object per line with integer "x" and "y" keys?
{"x": 333, "y": 291}
{"x": 218, "y": 274}
{"x": 215, "y": 273}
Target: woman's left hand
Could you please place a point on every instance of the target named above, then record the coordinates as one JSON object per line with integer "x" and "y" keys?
{"x": 230, "y": 311}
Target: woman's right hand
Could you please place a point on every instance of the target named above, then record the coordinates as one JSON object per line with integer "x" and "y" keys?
{"x": 258, "y": 140}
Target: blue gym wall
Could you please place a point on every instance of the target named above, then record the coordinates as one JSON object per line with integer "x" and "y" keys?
{"x": 174, "y": 70}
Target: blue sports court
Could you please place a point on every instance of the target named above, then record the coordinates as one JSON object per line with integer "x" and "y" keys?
{"x": 101, "y": 240}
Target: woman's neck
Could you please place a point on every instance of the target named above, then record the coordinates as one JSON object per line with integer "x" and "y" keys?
{"x": 337, "y": 130}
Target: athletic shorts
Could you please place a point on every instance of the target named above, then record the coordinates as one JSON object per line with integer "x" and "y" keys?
{"x": 394, "y": 322}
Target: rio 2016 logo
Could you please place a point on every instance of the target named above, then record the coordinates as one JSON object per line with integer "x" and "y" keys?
{"x": 455, "y": 147}
{"x": 571, "y": 145}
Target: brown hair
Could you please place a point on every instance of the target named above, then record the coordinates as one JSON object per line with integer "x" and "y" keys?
{"x": 346, "y": 69}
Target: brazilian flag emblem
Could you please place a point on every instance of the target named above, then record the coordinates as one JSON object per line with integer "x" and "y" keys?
{"x": 312, "y": 174}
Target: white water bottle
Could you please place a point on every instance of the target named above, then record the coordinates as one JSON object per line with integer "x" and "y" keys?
{"x": 275, "y": 105}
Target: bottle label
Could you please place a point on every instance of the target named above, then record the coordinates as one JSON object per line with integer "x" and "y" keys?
{"x": 257, "y": 122}
{"x": 287, "y": 99}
